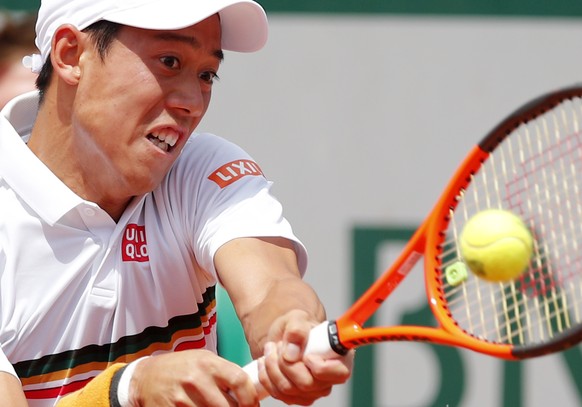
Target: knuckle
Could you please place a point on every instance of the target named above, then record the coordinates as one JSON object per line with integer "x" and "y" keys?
{"x": 305, "y": 384}
{"x": 284, "y": 386}
{"x": 239, "y": 378}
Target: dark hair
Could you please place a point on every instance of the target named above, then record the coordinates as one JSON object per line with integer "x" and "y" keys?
{"x": 102, "y": 33}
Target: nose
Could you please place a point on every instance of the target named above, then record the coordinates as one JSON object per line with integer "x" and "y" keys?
{"x": 188, "y": 99}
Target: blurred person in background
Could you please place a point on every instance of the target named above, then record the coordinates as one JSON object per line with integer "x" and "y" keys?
{"x": 16, "y": 41}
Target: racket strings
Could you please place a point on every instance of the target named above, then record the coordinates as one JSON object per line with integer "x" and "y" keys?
{"x": 519, "y": 314}
{"x": 536, "y": 173}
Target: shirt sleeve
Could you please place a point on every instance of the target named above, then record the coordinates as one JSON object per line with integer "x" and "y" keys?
{"x": 5, "y": 365}
{"x": 232, "y": 199}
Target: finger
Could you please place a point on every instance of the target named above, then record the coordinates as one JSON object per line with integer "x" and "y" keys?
{"x": 239, "y": 399}
{"x": 335, "y": 371}
{"x": 270, "y": 373}
{"x": 205, "y": 393}
{"x": 295, "y": 339}
{"x": 222, "y": 384}
{"x": 298, "y": 374}
{"x": 291, "y": 382}
{"x": 286, "y": 378}
{"x": 239, "y": 388}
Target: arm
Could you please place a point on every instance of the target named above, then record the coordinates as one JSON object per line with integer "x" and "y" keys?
{"x": 263, "y": 282}
{"x": 186, "y": 378}
{"x": 277, "y": 310}
{"x": 11, "y": 391}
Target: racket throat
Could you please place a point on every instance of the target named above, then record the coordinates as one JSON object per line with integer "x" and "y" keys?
{"x": 324, "y": 340}
{"x": 334, "y": 341}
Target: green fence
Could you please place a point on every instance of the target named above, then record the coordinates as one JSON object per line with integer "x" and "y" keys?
{"x": 542, "y": 8}
{"x": 366, "y": 243}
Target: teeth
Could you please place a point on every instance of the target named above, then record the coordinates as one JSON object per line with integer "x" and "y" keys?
{"x": 171, "y": 139}
{"x": 158, "y": 143}
{"x": 164, "y": 139}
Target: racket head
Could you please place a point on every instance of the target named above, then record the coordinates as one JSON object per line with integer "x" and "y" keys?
{"x": 530, "y": 164}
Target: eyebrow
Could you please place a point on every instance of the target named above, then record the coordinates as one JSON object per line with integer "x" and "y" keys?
{"x": 192, "y": 41}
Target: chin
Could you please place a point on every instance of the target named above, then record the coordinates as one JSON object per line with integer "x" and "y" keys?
{"x": 143, "y": 187}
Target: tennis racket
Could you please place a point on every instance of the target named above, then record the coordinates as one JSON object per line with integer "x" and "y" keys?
{"x": 531, "y": 165}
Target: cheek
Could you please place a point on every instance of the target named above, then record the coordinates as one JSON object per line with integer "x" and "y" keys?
{"x": 103, "y": 123}
{"x": 207, "y": 98}
{"x": 114, "y": 83}
{"x": 113, "y": 101}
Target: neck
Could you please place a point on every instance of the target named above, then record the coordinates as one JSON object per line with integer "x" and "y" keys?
{"x": 54, "y": 143}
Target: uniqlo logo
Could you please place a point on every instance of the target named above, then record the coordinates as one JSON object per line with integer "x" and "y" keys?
{"x": 134, "y": 245}
{"x": 233, "y": 171}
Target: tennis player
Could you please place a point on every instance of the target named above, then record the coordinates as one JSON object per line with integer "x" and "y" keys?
{"x": 118, "y": 220}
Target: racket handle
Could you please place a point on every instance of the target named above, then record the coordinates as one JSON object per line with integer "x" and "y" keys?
{"x": 323, "y": 341}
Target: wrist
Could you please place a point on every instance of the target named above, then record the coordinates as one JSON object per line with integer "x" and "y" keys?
{"x": 121, "y": 385}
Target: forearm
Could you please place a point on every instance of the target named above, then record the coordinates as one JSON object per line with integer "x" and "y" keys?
{"x": 277, "y": 310}
{"x": 283, "y": 296}
{"x": 263, "y": 280}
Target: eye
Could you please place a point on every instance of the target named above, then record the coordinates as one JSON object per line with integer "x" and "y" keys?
{"x": 170, "y": 62}
{"x": 209, "y": 77}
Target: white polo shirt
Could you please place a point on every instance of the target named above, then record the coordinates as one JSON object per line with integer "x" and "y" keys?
{"x": 79, "y": 291}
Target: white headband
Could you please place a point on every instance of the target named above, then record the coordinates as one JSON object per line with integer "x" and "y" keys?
{"x": 243, "y": 22}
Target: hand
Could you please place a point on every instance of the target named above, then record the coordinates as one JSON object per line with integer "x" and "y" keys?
{"x": 190, "y": 378}
{"x": 11, "y": 391}
{"x": 289, "y": 375}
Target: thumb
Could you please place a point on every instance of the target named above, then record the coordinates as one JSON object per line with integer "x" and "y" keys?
{"x": 292, "y": 352}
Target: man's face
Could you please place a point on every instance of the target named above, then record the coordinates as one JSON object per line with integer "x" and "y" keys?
{"x": 134, "y": 110}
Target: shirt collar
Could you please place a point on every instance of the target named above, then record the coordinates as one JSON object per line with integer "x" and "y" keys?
{"x": 21, "y": 112}
{"x": 23, "y": 171}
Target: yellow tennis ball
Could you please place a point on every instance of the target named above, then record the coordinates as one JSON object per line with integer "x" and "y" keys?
{"x": 496, "y": 245}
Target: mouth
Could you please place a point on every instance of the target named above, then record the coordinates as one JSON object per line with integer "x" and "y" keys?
{"x": 164, "y": 139}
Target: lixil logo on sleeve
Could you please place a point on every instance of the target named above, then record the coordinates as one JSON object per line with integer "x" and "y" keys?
{"x": 233, "y": 171}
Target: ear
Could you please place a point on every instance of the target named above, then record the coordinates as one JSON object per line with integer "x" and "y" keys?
{"x": 67, "y": 47}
